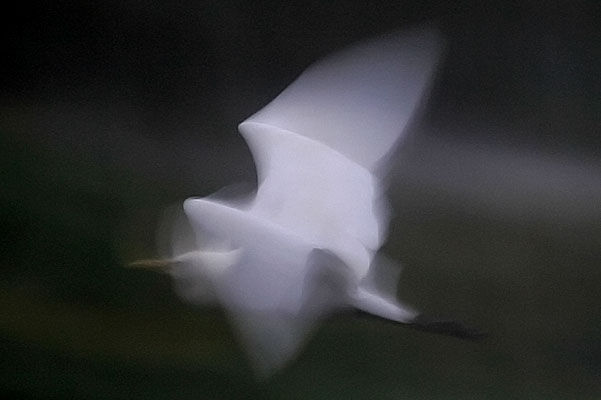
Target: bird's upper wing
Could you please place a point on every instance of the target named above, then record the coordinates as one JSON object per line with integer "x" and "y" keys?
{"x": 318, "y": 144}
{"x": 359, "y": 100}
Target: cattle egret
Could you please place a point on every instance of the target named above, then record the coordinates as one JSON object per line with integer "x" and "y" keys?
{"x": 304, "y": 244}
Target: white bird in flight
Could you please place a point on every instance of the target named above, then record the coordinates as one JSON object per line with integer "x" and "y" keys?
{"x": 304, "y": 245}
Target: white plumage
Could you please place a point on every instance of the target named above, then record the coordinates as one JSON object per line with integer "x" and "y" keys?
{"x": 303, "y": 246}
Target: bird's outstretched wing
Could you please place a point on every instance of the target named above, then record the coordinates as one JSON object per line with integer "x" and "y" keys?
{"x": 318, "y": 144}
{"x": 359, "y": 100}
{"x": 273, "y": 336}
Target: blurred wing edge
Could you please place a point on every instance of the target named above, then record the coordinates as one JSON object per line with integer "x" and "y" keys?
{"x": 358, "y": 101}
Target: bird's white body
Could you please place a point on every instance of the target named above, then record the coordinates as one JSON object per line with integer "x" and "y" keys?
{"x": 306, "y": 243}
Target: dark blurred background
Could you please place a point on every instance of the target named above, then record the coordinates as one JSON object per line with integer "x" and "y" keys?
{"x": 112, "y": 111}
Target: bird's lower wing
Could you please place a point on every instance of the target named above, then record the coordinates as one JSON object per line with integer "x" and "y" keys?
{"x": 272, "y": 337}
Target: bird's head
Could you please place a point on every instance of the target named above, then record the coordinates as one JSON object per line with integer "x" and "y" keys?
{"x": 195, "y": 273}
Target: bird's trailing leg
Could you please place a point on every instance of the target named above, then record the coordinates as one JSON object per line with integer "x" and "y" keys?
{"x": 427, "y": 324}
{"x": 377, "y": 297}
{"x": 446, "y": 327}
